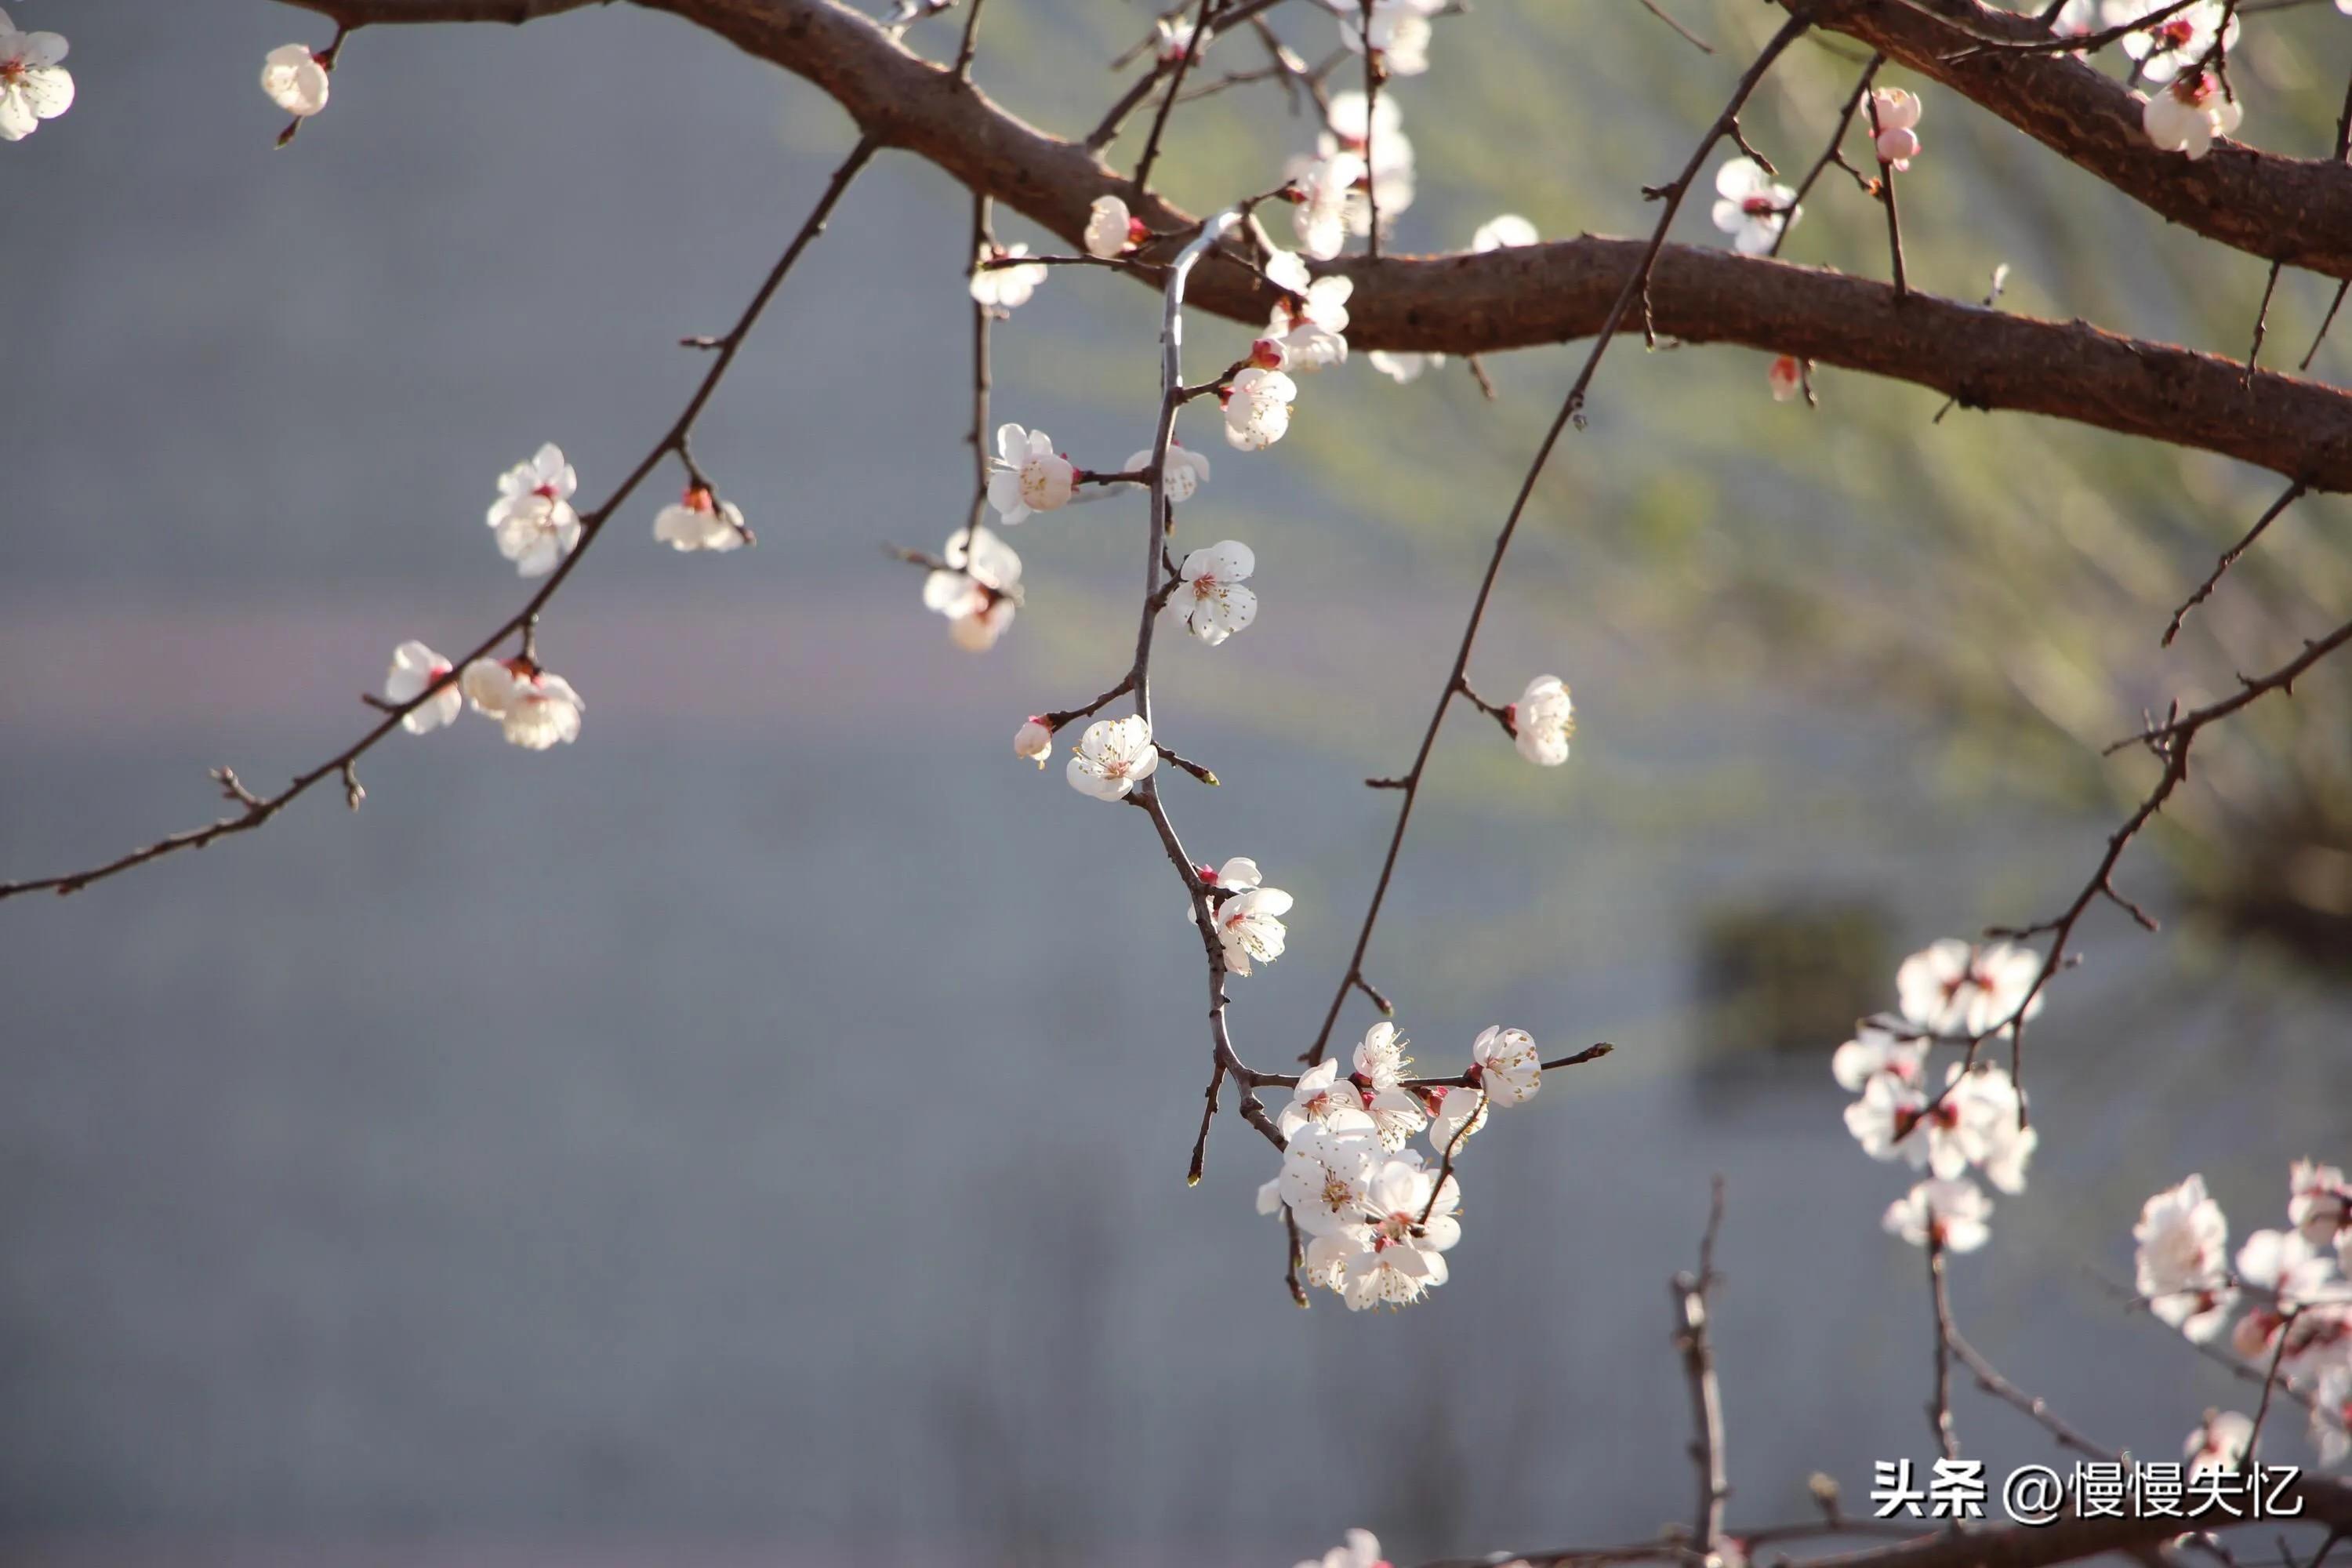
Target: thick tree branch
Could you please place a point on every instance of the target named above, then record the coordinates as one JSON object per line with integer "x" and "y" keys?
{"x": 1517, "y": 297}
{"x": 2295, "y": 210}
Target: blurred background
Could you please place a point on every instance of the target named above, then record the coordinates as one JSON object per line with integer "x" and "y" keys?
{"x": 756, "y": 1133}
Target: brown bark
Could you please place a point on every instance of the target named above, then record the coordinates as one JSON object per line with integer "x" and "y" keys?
{"x": 1552, "y": 293}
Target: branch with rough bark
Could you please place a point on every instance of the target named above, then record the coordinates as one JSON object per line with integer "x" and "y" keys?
{"x": 1524, "y": 296}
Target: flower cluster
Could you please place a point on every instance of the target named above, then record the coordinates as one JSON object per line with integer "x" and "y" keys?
{"x": 2294, "y": 1287}
{"x": 1948, "y": 991}
{"x": 1382, "y": 1215}
{"x": 535, "y": 708}
{"x": 1362, "y": 157}
{"x": 1244, "y": 914}
{"x": 978, "y": 589}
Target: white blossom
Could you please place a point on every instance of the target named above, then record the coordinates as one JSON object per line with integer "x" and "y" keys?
{"x": 1311, "y": 317}
{"x": 1319, "y": 219}
{"x": 2166, "y": 48}
{"x": 1185, "y": 472}
{"x": 1952, "y": 1213}
{"x": 1896, "y": 113}
{"x": 1027, "y": 475}
{"x": 1403, "y": 368}
{"x": 1004, "y": 289}
{"x": 33, "y": 86}
{"x": 1110, "y": 229}
{"x": 699, "y": 521}
{"x": 2219, "y": 1443}
{"x": 1787, "y": 379}
{"x": 1034, "y": 741}
{"x": 1951, "y": 987}
{"x": 1325, "y": 1099}
{"x": 1377, "y": 136}
{"x": 2319, "y": 1201}
{"x": 1176, "y": 39}
{"x": 532, "y": 519}
{"x": 1362, "y": 1550}
{"x": 2186, "y": 116}
{"x": 979, "y": 590}
{"x": 295, "y": 79}
{"x": 535, "y": 708}
{"x": 1213, "y": 601}
{"x": 1325, "y": 1175}
{"x": 1454, "y": 1114}
{"x": 2180, "y": 1265}
{"x": 1395, "y": 1255}
{"x": 1872, "y": 1051}
{"x": 415, "y": 666}
{"x": 1250, "y": 928}
{"x": 1398, "y": 31}
{"x": 1257, "y": 409}
{"x": 1112, "y": 757}
{"x": 1379, "y": 1061}
{"x": 1507, "y": 1064}
{"x": 1542, "y": 719}
{"x": 1503, "y": 231}
{"x": 2289, "y": 1273}
{"x": 1753, "y": 209}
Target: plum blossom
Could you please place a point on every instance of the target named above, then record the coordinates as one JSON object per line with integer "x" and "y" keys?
{"x": 1972, "y": 1122}
{"x": 1403, "y": 368}
{"x": 1324, "y": 1177}
{"x": 1952, "y": 1213}
{"x": 1183, "y": 475}
{"x": 1250, "y": 928}
{"x": 1505, "y": 1064}
{"x": 2181, "y": 1266}
{"x": 33, "y": 86}
{"x": 2219, "y": 1443}
{"x": 1753, "y": 209}
{"x": 1873, "y": 1051}
{"x": 1398, "y": 31}
{"x": 1111, "y": 231}
{"x": 1325, "y": 1099}
{"x": 1454, "y": 1114}
{"x": 1951, "y": 987}
{"x": 1319, "y": 218}
{"x": 2177, "y": 41}
{"x": 1362, "y": 1550}
{"x": 1257, "y": 409}
{"x": 1310, "y": 318}
{"x": 979, "y": 590}
{"x": 295, "y": 79}
{"x": 1034, "y": 741}
{"x": 1376, "y": 136}
{"x": 1112, "y": 757}
{"x": 1213, "y": 601}
{"x": 1176, "y": 39}
{"x": 1027, "y": 475}
{"x": 1542, "y": 719}
{"x": 1004, "y": 289}
{"x": 700, "y": 520}
{"x": 1895, "y": 115}
{"x": 1391, "y": 1253}
{"x": 1504, "y": 231}
{"x": 2289, "y": 1273}
{"x": 2186, "y": 116}
{"x": 536, "y": 708}
{"x": 532, "y": 518}
{"x": 1787, "y": 379}
{"x": 2319, "y": 1201}
{"x": 1380, "y": 1062}
{"x": 415, "y": 666}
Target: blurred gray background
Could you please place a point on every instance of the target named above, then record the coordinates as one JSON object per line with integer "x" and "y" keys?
{"x": 756, "y": 1133}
